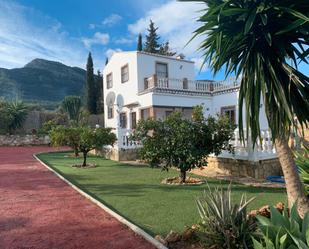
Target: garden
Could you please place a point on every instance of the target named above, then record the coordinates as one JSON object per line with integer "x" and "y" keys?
{"x": 135, "y": 192}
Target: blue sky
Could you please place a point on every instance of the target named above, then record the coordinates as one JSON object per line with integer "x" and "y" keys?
{"x": 66, "y": 30}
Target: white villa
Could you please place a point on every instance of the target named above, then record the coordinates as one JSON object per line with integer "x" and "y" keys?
{"x": 138, "y": 85}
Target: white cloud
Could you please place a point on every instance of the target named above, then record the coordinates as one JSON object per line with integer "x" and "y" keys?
{"x": 176, "y": 22}
{"x": 98, "y": 38}
{"x": 111, "y": 20}
{"x": 109, "y": 52}
{"x": 26, "y": 34}
{"x": 125, "y": 41}
{"x": 92, "y": 26}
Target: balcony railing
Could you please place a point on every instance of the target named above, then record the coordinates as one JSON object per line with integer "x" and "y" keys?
{"x": 184, "y": 85}
{"x": 263, "y": 150}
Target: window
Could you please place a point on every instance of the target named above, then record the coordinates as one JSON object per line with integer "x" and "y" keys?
{"x": 123, "y": 120}
{"x": 161, "y": 70}
{"x": 145, "y": 113}
{"x": 110, "y": 112}
{"x": 133, "y": 120}
{"x": 124, "y": 73}
{"x": 185, "y": 83}
{"x": 109, "y": 80}
{"x": 230, "y": 112}
{"x": 146, "y": 85}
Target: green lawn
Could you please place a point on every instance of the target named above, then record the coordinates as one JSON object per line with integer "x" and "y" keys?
{"x": 136, "y": 193}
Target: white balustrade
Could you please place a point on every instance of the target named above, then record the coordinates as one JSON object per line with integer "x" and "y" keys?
{"x": 185, "y": 85}
{"x": 264, "y": 148}
{"x": 124, "y": 141}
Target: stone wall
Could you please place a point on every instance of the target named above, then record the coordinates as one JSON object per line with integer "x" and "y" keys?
{"x": 21, "y": 140}
{"x": 243, "y": 168}
{"x": 226, "y": 166}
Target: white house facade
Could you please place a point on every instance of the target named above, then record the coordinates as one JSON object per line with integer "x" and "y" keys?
{"x": 138, "y": 85}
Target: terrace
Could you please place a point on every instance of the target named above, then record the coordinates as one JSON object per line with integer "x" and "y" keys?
{"x": 188, "y": 87}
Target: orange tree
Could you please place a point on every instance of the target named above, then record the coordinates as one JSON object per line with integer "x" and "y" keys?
{"x": 82, "y": 139}
{"x": 182, "y": 143}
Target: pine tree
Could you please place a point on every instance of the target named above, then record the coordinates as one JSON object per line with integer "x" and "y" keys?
{"x": 165, "y": 49}
{"x": 91, "y": 88}
{"x": 151, "y": 44}
{"x": 139, "y": 42}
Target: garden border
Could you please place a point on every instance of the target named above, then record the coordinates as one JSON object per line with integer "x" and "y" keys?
{"x": 121, "y": 219}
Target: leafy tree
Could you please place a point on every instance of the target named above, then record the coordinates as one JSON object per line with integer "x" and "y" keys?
{"x": 139, "y": 42}
{"x": 66, "y": 136}
{"x": 72, "y": 106}
{"x": 182, "y": 143}
{"x": 165, "y": 49}
{"x": 82, "y": 139}
{"x": 91, "y": 88}
{"x": 263, "y": 41}
{"x": 152, "y": 39}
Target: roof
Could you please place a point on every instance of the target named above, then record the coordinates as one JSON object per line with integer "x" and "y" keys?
{"x": 151, "y": 54}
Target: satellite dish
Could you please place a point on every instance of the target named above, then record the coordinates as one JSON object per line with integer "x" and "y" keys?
{"x": 110, "y": 99}
{"x": 120, "y": 101}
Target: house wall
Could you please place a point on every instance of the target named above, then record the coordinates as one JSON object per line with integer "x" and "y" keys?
{"x": 141, "y": 66}
{"x": 127, "y": 91}
{"x": 231, "y": 99}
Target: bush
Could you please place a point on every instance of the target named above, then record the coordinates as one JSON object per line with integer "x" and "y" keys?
{"x": 224, "y": 224}
{"x": 182, "y": 143}
{"x": 12, "y": 115}
{"x": 282, "y": 231}
{"x": 302, "y": 161}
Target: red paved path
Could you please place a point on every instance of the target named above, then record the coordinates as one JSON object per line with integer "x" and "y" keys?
{"x": 40, "y": 211}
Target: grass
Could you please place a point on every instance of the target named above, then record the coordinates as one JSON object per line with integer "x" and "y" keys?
{"x": 135, "y": 192}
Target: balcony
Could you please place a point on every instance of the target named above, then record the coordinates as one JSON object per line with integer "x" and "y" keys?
{"x": 187, "y": 87}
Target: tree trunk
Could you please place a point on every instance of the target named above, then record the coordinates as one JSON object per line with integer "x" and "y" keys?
{"x": 294, "y": 187}
{"x": 183, "y": 176}
{"x": 76, "y": 153}
{"x": 85, "y": 158}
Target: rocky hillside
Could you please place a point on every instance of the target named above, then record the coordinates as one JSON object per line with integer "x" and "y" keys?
{"x": 42, "y": 81}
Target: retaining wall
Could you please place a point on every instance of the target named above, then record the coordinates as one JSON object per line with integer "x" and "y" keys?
{"x": 23, "y": 140}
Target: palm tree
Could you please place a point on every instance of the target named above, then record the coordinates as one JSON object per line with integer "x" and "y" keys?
{"x": 17, "y": 112}
{"x": 263, "y": 41}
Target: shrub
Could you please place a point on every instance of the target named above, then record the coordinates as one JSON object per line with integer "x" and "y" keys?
{"x": 12, "y": 115}
{"x": 302, "y": 161}
{"x": 282, "y": 231}
{"x": 224, "y": 224}
{"x": 182, "y": 143}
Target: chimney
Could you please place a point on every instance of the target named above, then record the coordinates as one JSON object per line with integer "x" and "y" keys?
{"x": 180, "y": 56}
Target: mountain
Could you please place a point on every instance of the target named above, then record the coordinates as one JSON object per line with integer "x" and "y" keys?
{"x": 42, "y": 81}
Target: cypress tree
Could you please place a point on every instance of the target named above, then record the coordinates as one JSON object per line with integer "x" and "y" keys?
{"x": 99, "y": 92}
{"x": 91, "y": 87}
{"x": 152, "y": 45}
{"x": 139, "y": 42}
